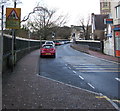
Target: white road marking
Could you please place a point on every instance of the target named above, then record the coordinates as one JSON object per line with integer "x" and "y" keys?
{"x": 70, "y": 85}
{"x": 81, "y": 77}
{"x": 94, "y": 65}
{"x": 66, "y": 64}
{"x": 69, "y": 67}
{"x": 98, "y": 71}
{"x": 96, "y": 68}
{"x": 74, "y": 72}
{"x": 91, "y": 85}
{"x": 117, "y": 79}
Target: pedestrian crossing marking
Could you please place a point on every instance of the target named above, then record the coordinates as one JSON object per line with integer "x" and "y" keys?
{"x": 94, "y": 65}
{"x": 98, "y": 71}
{"x": 96, "y": 68}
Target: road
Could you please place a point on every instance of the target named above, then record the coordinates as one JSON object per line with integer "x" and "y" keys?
{"x": 82, "y": 70}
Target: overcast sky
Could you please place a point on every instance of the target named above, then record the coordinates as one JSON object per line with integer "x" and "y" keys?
{"x": 74, "y": 8}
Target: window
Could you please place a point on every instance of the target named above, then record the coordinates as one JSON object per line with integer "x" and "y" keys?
{"x": 118, "y": 11}
{"x": 48, "y": 46}
{"x": 105, "y": 4}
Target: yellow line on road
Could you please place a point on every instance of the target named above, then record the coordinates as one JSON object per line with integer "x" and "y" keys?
{"x": 105, "y": 97}
{"x": 102, "y": 97}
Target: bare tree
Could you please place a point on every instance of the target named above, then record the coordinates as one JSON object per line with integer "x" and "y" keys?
{"x": 45, "y": 19}
{"x": 86, "y": 28}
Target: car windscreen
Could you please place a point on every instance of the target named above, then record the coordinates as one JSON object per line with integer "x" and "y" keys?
{"x": 48, "y": 46}
{"x": 57, "y": 41}
{"x": 49, "y": 42}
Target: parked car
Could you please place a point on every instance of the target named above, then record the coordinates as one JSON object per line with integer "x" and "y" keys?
{"x": 57, "y": 43}
{"x": 48, "y": 50}
{"x": 50, "y": 42}
{"x": 66, "y": 42}
{"x": 62, "y": 42}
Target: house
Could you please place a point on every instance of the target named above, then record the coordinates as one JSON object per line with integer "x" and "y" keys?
{"x": 76, "y": 33}
{"x": 98, "y": 26}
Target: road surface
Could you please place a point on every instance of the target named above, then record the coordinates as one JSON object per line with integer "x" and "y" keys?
{"x": 82, "y": 70}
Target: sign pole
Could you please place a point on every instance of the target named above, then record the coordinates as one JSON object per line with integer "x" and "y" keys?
{"x": 14, "y": 39}
{"x": 13, "y": 44}
{"x": 12, "y": 49}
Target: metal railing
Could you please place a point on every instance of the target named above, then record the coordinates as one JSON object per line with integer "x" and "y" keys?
{"x": 23, "y": 46}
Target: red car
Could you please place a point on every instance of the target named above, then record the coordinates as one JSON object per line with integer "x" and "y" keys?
{"x": 57, "y": 43}
{"x": 47, "y": 50}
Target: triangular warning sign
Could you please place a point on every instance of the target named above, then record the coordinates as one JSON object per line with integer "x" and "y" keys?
{"x": 13, "y": 15}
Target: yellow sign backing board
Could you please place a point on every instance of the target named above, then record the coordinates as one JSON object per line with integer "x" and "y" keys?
{"x": 13, "y": 16}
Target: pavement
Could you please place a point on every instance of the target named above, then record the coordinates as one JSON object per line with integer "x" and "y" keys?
{"x": 24, "y": 88}
{"x": 95, "y": 53}
{"x": 104, "y": 56}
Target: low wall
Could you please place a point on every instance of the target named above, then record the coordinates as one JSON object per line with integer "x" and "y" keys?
{"x": 109, "y": 47}
{"x": 92, "y": 45}
{"x": 79, "y": 47}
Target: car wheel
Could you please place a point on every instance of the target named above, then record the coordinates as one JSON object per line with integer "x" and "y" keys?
{"x": 41, "y": 56}
{"x": 54, "y": 56}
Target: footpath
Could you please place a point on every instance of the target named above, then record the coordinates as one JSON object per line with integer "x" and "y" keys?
{"x": 95, "y": 53}
{"x": 25, "y": 89}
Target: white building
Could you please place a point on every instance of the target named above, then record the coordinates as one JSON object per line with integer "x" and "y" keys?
{"x": 76, "y": 33}
{"x": 112, "y": 44}
{"x": 105, "y": 6}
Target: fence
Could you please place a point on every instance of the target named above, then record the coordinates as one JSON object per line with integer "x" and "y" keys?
{"x": 23, "y": 46}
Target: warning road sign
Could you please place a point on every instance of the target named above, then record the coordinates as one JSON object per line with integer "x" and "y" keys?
{"x": 13, "y": 16}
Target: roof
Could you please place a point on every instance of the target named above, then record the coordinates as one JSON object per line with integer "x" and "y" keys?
{"x": 77, "y": 28}
{"x": 99, "y": 22}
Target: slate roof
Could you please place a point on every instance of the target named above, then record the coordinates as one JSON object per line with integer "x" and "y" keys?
{"x": 77, "y": 28}
{"x": 99, "y": 21}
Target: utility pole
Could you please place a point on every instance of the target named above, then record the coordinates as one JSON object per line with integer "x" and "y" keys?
{"x": 1, "y": 56}
{"x": 1, "y": 42}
